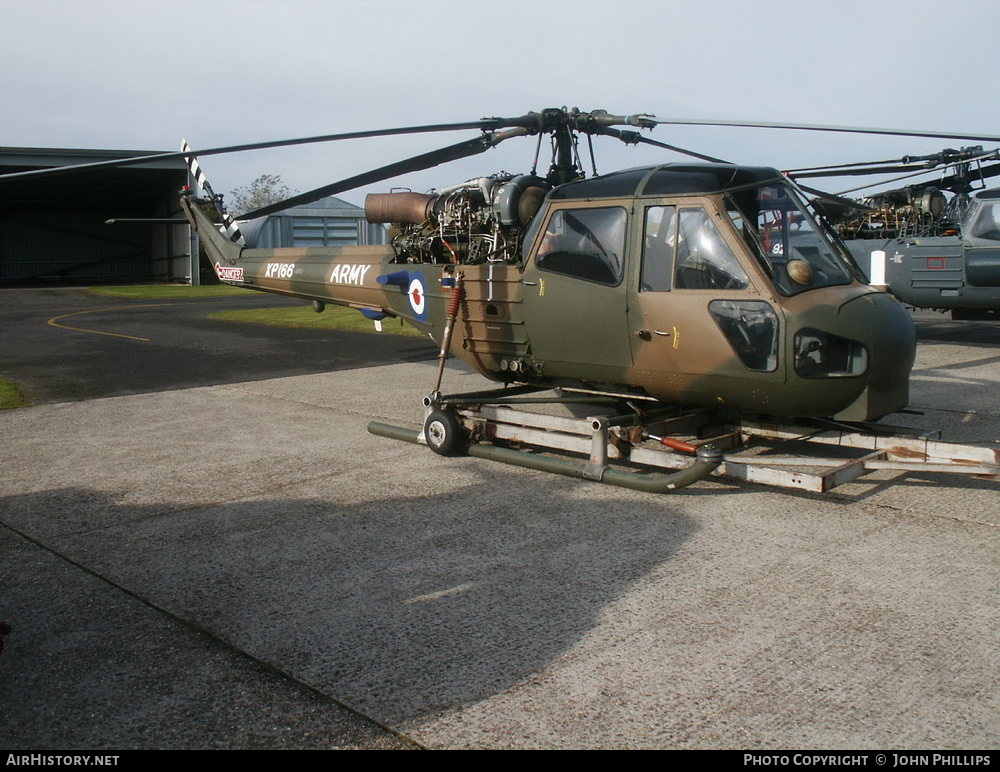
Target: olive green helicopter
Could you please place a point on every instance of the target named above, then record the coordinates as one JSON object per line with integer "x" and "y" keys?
{"x": 671, "y": 313}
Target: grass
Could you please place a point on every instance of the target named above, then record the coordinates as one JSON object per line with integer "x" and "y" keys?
{"x": 171, "y": 291}
{"x": 333, "y": 318}
{"x": 11, "y": 395}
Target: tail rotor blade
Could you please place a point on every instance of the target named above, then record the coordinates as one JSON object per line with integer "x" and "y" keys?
{"x": 229, "y": 227}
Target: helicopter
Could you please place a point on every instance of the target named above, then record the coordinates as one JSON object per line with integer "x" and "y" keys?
{"x": 927, "y": 249}
{"x": 679, "y": 297}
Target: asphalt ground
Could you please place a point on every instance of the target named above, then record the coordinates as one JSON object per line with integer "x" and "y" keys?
{"x": 241, "y": 565}
{"x": 65, "y": 344}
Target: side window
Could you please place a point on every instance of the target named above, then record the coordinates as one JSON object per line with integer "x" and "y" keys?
{"x": 704, "y": 260}
{"x": 987, "y": 224}
{"x": 659, "y": 236}
{"x": 585, "y": 243}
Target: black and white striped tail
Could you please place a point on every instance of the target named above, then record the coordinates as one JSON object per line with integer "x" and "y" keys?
{"x": 229, "y": 227}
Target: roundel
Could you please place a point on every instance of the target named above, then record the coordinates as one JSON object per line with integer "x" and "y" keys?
{"x": 417, "y": 295}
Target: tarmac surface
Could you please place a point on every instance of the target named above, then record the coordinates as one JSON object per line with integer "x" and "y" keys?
{"x": 240, "y": 565}
{"x": 65, "y": 344}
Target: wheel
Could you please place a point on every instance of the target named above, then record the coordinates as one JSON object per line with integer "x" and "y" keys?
{"x": 443, "y": 433}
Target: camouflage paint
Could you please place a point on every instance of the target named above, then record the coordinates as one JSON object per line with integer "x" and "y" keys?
{"x": 520, "y": 323}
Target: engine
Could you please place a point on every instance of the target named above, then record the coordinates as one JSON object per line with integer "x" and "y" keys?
{"x": 478, "y": 221}
{"x": 906, "y": 212}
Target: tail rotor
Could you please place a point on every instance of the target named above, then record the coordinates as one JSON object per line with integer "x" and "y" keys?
{"x": 229, "y": 227}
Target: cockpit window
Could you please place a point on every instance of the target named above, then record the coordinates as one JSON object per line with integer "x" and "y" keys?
{"x": 789, "y": 246}
{"x": 585, "y": 243}
{"x": 659, "y": 237}
{"x": 704, "y": 260}
{"x": 986, "y": 224}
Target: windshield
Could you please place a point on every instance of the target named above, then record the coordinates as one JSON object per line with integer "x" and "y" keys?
{"x": 986, "y": 222}
{"x": 777, "y": 227}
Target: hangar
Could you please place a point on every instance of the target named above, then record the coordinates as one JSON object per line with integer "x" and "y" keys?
{"x": 53, "y": 228}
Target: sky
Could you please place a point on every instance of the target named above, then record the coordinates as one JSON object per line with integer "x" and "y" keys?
{"x": 142, "y": 75}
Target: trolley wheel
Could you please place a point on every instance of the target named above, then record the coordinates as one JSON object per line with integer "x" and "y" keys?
{"x": 443, "y": 433}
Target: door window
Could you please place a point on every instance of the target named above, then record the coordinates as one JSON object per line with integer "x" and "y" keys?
{"x": 704, "y": 260}
{"x": 659, "y": 237}
{"x": 585, "y": 243}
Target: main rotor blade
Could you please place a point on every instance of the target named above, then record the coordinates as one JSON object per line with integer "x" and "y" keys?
{"x": 961, "y": 179}
{"x": 849, "y": 172}
{"x": 415, "y": 164}
{"x": 945, "y": 159}
{"x": 634, "y": 137}
{"x": 849, "y": 203}
{"x": 858, "y": 165}
{"x": 488, "y": 123}
{"x": 819, "y": 127}
{"x": 676, "y": 149}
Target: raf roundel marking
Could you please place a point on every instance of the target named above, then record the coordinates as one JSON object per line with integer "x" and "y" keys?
{"x": 416, "y": 293}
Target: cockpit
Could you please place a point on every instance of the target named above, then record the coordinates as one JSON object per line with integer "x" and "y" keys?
{"x": 784, "y": 237}
{"x": 984, "y": 221}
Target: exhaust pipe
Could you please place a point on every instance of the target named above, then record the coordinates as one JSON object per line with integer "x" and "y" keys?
{"x": 399, "y": 207}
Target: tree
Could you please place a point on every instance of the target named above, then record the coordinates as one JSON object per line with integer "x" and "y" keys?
{"x": 266, "y": 189}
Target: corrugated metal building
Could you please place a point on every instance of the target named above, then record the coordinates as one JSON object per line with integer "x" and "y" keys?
{"x": 329, "y": 222}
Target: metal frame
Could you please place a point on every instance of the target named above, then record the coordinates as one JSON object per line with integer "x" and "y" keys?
{"x": 816, "y": 456}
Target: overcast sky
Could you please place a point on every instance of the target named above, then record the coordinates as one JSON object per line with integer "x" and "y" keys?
{"x": 141, "y": 75}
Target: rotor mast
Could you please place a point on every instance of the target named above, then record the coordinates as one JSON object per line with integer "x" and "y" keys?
{"x": 563, "y": 168}
{"x": 564, "y": 124}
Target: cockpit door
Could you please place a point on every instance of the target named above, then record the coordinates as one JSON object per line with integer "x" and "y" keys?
{"x": 575, "y": 294}
{"x": 695, "y": 317}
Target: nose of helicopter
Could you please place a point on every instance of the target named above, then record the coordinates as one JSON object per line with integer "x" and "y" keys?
{"x": 885, "y": 328}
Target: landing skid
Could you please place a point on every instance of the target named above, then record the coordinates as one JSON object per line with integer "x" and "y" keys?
{"x": 657, "y": 448}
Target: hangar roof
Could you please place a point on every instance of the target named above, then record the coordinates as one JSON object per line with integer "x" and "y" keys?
{"x": 124, "y": 190}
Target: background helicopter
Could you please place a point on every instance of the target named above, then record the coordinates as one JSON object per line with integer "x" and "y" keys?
{"x": 936, "y": 243}
{"x": 706, "y": 285}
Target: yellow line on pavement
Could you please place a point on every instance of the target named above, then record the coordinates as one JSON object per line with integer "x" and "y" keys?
{"x": 54, "y": 321}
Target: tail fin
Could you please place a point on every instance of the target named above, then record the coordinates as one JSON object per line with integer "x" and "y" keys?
{"x": 222, "y": 244}
{"x": 220, "y": 250}
{"x": 229, "y": 228}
